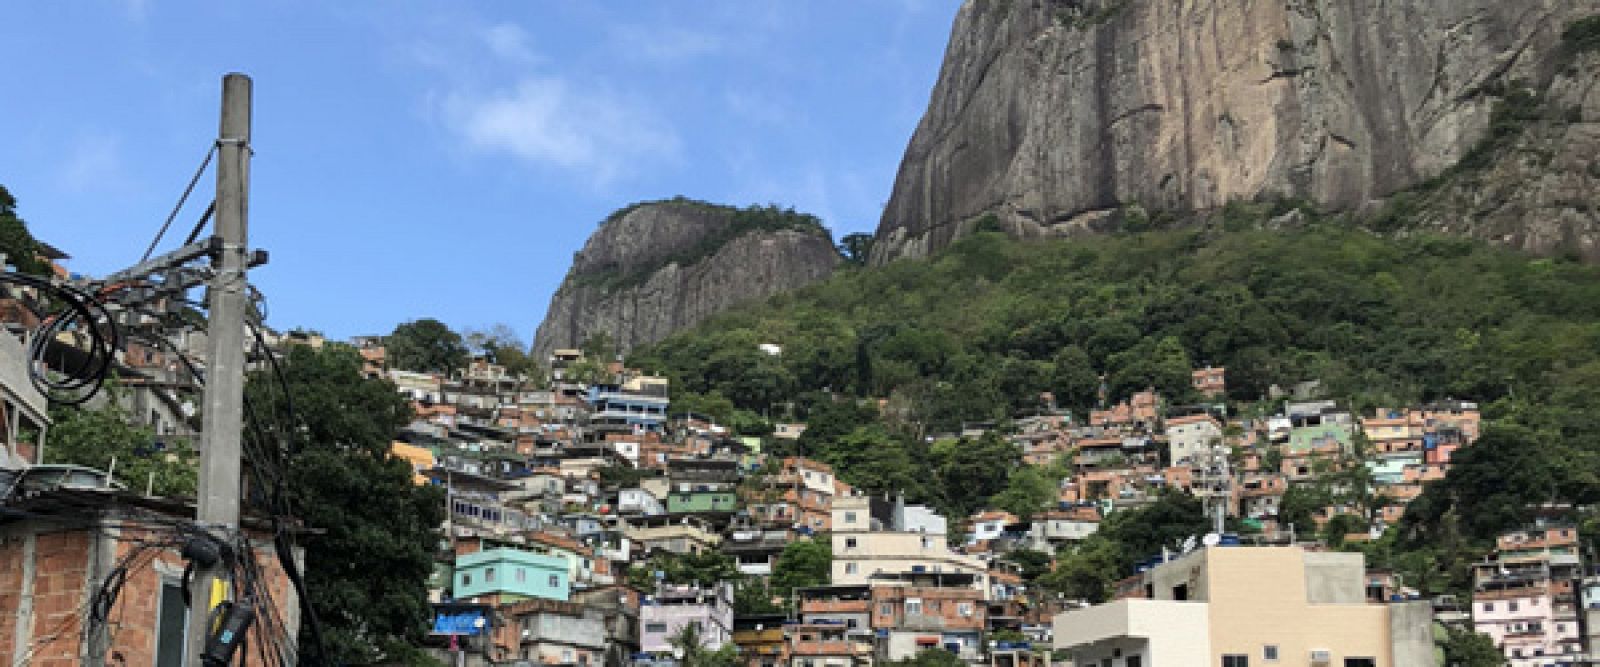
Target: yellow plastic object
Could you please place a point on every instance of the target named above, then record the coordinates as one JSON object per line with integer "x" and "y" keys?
{"x": 219, "y": 594}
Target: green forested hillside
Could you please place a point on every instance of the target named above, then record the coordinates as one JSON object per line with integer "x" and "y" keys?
{"x": 977, "y": 333}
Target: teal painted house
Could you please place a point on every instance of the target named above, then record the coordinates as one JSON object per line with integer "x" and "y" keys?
{"x": 702, "y": 501}
{"x": 513, "y": 574}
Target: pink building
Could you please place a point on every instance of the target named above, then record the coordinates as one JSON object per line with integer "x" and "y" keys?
{"x": 663, "y": 615}
{"x": 1524, "y": 596}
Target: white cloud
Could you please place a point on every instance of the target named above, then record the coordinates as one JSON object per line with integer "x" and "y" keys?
{"x": 510, "y": 42}
{"x": 550, "y": 121}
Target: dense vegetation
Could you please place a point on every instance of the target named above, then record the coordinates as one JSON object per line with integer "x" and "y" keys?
{"x": 740, "y": 221}
{"x": 978, "y": 333}
{"x": 19, "y": 247}
{"x": 370, "y": 547}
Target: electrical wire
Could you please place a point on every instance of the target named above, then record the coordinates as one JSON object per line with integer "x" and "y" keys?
{"x": 76, "y": 313}
{"x": 179, "y": 206}
{"x": 267, "y": 446}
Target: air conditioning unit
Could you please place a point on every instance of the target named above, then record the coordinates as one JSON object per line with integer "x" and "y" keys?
{"x": 1321, "y": 656}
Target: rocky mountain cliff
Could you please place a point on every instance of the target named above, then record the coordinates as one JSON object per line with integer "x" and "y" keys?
{"x": 1057, "y": 116}
{"x": 658, "y": 267}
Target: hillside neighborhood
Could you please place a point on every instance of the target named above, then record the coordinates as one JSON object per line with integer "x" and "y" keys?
{"x": 589, "y": 524}
{"x": 1189, "y": 335}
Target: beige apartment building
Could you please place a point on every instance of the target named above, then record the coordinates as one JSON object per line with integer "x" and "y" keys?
{"x": 1243, "y": 606}
{"x": 896, "y": 541}
{"x": 679, "y": 535}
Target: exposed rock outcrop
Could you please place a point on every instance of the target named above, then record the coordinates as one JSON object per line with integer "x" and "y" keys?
{"x": 1053, "y": 115}
{"x": 655, "y": 268}
{"x": 1541, "y": 191}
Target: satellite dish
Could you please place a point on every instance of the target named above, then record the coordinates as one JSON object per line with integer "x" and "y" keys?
{"x": 1211, "y": 539}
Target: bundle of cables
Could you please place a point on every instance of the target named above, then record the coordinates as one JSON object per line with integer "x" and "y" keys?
{"x": 74, "y": 346}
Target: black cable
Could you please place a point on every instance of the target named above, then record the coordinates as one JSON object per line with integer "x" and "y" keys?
{"x": 179, "y": 206}
{"x": 78, "y": 312}
{"x": 201, "y": 224}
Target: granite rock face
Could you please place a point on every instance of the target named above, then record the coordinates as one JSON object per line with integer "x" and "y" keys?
{"x": 1053, "y": 115}
{"x": 656, "y": 268}
{"x": 1542, "y": 193}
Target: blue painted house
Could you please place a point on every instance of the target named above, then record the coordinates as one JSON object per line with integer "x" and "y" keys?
{"x": 513, "y": 575}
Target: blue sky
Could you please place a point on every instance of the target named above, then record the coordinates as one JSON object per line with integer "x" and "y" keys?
{"x": 445, "y": 159}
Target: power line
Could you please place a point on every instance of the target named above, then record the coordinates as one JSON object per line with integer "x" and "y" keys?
{"x": 179, "y": 206}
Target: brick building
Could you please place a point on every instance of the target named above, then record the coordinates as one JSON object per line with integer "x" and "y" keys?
{"x": 57, "y": 546}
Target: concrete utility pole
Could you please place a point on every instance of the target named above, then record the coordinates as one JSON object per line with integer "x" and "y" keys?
{"x": 222, "y": 422}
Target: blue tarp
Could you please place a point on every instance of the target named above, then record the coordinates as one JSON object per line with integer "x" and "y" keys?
{"x": 459, "y": 623}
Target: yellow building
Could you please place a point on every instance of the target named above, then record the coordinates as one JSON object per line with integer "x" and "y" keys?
{"x": 1241, "y": 606}
{"x": 420, "y": 458}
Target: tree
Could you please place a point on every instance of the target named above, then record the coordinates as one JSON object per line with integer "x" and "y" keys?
{"x": 501, "y": 344}
{"x": 754, "y": 596}
{"x": 426, "y": 345}
{"x": 1033, "y": 563}
{"x": 876, "y": 462}
{"x": 18, "y": 245}
{"x": 975, "y": 470}
{"x": 803, "y": 563}
{"x": 682, "y": 569}
{"x": 1299, "y": 506}
{"x": 690, "y": 646}
{"x": 1087, "y": 571}
{"x": 1029, "y": 490}
{"x": 96, "y": 437}
{"x": 1465, "y": 648}
{"x": 1172, "y": 518}
{"x": 856, "y": 248}
{"x": 1074, "y": 380}
{"x": 1334, "y": 532}
{"x": 373, "y": 531}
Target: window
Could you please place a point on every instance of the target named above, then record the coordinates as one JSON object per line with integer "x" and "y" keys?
{"x": 566, "y": 656}
{"x": 964, "y": 608}
{"x": 1511, "y": 606}
{"x": 913, "y": 605}
{"x": 1488, "y": 606}
{"x": 849, "y": 542}
{"x": 1269, "y": 653}
{"x": 172, "y": 623}
{"x": 488, "y": 575}
{"x": 850, "y": 568}
{"x": 555, "y": 581}
{"x": 1236, "y": 660}
{"x": 466, "y": 580}
{"x": 1360, "y": 662}
{"x": 522, "y": 575}
{"x": 849, "y": 517}
{"x": 1133, "y": 661}
{"x": 655, "y": 627}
